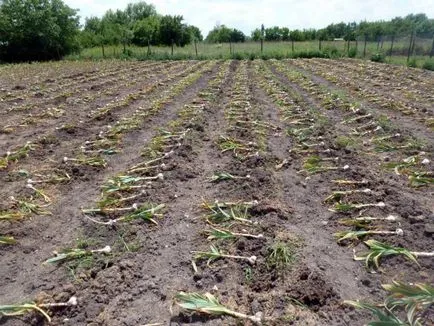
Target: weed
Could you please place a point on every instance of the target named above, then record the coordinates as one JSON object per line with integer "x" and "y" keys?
{"x": 281, "y": 255}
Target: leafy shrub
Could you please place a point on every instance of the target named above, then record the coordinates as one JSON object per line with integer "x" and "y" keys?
{"x": 309, "y": 54}
{"x": 378, "y": 57}
{"x": 412, "y": 63}
{"x": 352, "y": 53}
{"x": 428, "y": 65}
{"x": 332, "y": 51}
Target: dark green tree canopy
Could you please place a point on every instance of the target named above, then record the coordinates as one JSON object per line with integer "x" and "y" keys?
{"x": 37, "y": 30}
{"x": 139, "y": 24}
{"x": 372, "y": 31}
{"x": 223, "y": 34}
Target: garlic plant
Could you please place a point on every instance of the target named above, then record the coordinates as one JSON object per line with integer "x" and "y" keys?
{"x": 228, "y": 212}
{"x": 52, "y": 176}
{"x": 73, "y": 254}
{"x": 38, "y": 192}
{"x": 223, "y": 234}
{"x": 350, "y": 182}
{"x": 346, "y": 207}
{"x": 364, "y": 221}
{"x": 126, "y": 183}
{"x": 6, "y": 240}
{"x": 144, "y": 212}
{"x": 338, "y": 195}
{"x": 14, "y": 156}
{"x": 96, "y": 161}
{"x": 11, "y": 216}
{"x": 355, "y": 235}
{"x": 235, "y": 145}
{"x": 415, "y": 299}
{"x": 378, "y": 250}
{"x": 313, "y": 165}
{"x": 222, "y": 176}
{"x": 209, "y": 304}
{"x": 27, "y": 207}
{"x": 420, "y": 179}
{"x": 215, "y": 254}
{"x": 25, "y": 308}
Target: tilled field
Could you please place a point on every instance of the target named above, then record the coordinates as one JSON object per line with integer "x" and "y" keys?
{"x": 130, "y": 186}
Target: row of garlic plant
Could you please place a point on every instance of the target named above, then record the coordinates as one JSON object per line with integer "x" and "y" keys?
{"x": 342, "y": 76}
{"x": 243, "y": 121}
{"x": 369, "y": 226}
{"x": 228, "y": 220}
{"x": 57, "y": 111}
{"x": 108, "y": 140}
{"x": 165, "y": 75}
{"x": 407, "y": 155}
{"x": 123, "y": 197}
{"x": 69, "y": 85}
{"x": 41, "y": 182}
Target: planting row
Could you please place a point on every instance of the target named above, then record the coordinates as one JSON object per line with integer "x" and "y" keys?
{"x": 348, "y": 194}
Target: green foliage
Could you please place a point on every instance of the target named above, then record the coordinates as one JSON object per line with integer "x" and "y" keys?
{"x": 281, "y": 255}
{"x": 428, "y": 65}
{"x": 378, "y": 57}
{"x": 414, "y": 299}
{"x": 138, "y": 24}
{"x": 352, "y": 53}
{"x": 147, "y": 30}
{"x": 32, "y": 30}
{"x": 223, "y": 34}
{"x": 139, "y": 11}
{"x": 412, "y": 63}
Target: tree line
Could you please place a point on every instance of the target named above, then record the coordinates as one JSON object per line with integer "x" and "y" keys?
{"x": 49, "y": 29}
{"x": 419, "y": 24}
{"x": 138, "y": 24}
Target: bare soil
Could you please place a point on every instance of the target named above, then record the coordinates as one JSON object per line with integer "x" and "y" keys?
{"x": 150, "y": 263}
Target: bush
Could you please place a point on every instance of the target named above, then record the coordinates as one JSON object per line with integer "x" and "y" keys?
{"x": 378, "y": 57}
{"x": 352, "y": 53}
{"x": 428, "y": 65}
{"x": 332, "y": 51}
{"x": 412, "y": 63}
{"x": 309, "y": 55}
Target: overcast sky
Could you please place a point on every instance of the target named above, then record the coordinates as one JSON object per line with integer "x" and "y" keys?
{"x": 246, "y": 15}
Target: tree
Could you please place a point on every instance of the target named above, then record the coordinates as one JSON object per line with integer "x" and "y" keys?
{"x": 147, "y": 30}
{"x": 296, "y": 35}
{"x": 224, "y": 34}
{"x": 37, "y": 30}
{"x": 237, "y": 36}
{"x": 139, "y": 11}
{"x": 273, "y": 34}
{"x": 256, "y": 35}
{"x": 195, "y": 33}
{"x": 173, "y": 30}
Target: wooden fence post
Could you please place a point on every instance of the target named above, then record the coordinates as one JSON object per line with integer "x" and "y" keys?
{"x": 432, "y": 48}
{"x": 195, "y": 46}
{"x": 364, "y": 47}
{"x": 172, "y": 47}
{"x": 409, "y": 47}
{"x": 414, "y": 44}
{"x": 391, "y": 45}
